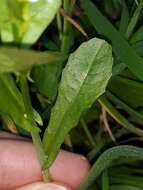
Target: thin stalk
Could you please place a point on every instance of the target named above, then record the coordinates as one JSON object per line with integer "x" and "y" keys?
{"x": 68, "y": 141}
{"x": 74, "y": 23}
{"x": 118, "y": 117}
{"x": 32, "y": 124}
{"x": 66, "y": 28}
{"x": 107, "y": 126}
{"x": 87, "y": 132}
{"x": 59, "y": 24}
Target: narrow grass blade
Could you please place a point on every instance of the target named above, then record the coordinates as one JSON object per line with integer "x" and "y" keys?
{"x": 121, "y": 47}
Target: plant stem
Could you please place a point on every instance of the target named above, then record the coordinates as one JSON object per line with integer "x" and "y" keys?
{"x": 68, "y": 141}
{"x": 87, "y": 132}
{"x": 66, "y": 37}
{"x": 107, "y": 126}
{"x": 32, "y": 124}
{"x": 59, "y": 24}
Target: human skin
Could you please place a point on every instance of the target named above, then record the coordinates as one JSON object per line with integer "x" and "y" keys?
{"x": 19, "y": 167}
{"x": 44, "y": 186}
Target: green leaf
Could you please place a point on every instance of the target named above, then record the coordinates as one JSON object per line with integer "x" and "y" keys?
{"x": 124, "y": 17}
{"x": 134, "y": 20}
{"x": 17, "y": 60}
{"x": 134, "y": 180}
{"x": 108, "y": 157}
{"x": 41, "y": 14}
{"x": 9, "y": 89}
{"x": 11, "y": 101}
{"x": 137, "y": 36}
{"x": 130, "y": 91}
{"x": 124, "y": 187}
{"x": 46, "y": 79}
{"x": 10, "y": 20}
{"x": 138, "y": 117}
{"x": 139, "y": 48}
{"x": 25, "y": 21}
{"x": 121, "y": 47}
{"x": 83, "y": 80}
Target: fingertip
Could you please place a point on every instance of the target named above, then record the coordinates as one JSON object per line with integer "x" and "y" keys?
{"x": 70, "y": 168}
{"x": 44, "y": 186}
{"x": 20, "y": 157}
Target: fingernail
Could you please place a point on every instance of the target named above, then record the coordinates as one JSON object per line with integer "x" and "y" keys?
{"x": 50, "y": 186}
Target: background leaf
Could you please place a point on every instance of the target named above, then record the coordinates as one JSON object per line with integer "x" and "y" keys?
{"x": 134, "y": 19}
{"x": 24, "y": 21}
{"x": 83, "y": 80}
{"x": 16, "y": 60}
{"x": 46, "y": 78}
{"x": 120, "y": 46}
{"x": 128, "y": 90}
{"x": 106, "y": 160}
{"x": 11, "y": 101}
{"x": 124, "y": 187}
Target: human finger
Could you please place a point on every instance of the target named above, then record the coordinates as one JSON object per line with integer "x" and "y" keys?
{"x": 19, "y": 166}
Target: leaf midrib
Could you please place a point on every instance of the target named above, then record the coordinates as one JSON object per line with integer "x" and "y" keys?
{"x": 58, "y": 131}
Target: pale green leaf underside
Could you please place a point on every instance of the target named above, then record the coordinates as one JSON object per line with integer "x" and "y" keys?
{"x": 83, "y": 80}
{"x": 24, "y": 21}
{"x": 16, "y": 60}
